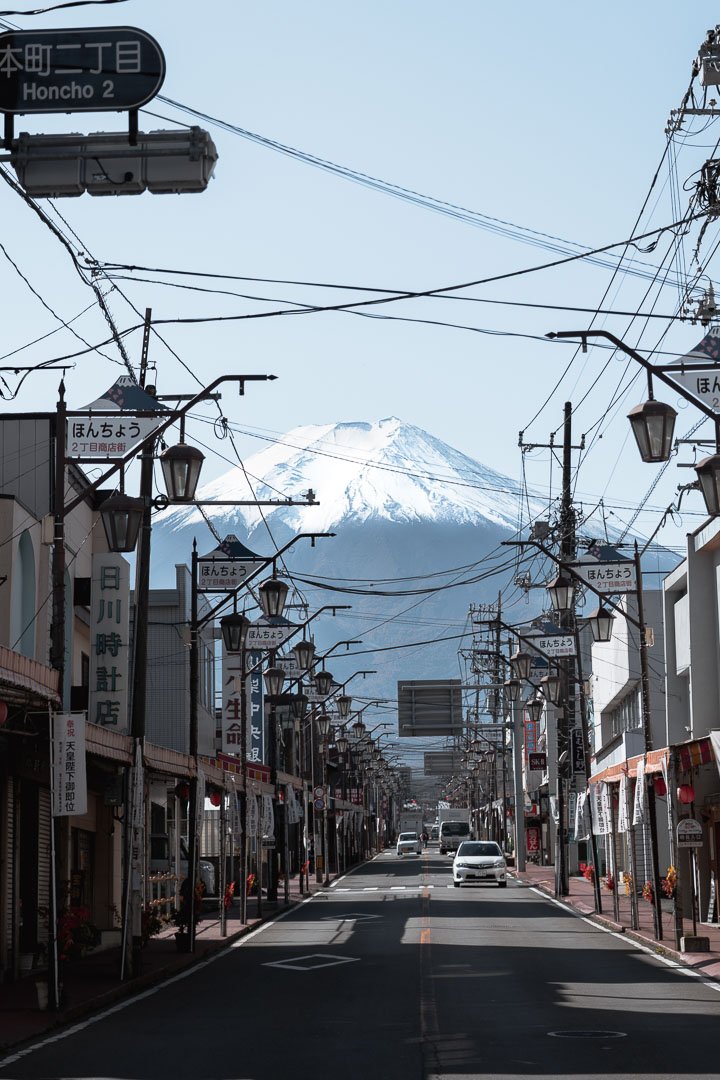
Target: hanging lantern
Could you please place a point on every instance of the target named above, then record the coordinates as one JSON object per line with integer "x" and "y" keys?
{"x": 304, "y": 652}
{"x": 182, "y": 790}
{"x": 234, "y": 628}
{"x": 601, "y": 622}
{"x": 122, "y": 517}
{"x": 521, "y": 662}
{"x": 272, "y": 595}
{"x": 552, "y": 687}
{"x": 3, "y": 713}
{"x": 343, "y": 702}
{"x": 686, "y": 794}
{"x": 652, "y": 425}
{"x": 323, "y": 682}
{"x": 215, "y": 798}
{"x": 561, "y": 591}
{"x": 274, "y": 681}
{"x": 660, "y": 786}
{"x": 181, "y": 467}
{"x": 513, "y": 689}
{"x": 708, "y": 474}
{"x": 534, "y": 708}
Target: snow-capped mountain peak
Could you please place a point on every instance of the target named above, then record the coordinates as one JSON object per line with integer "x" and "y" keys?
{"x": 359, "y": 471}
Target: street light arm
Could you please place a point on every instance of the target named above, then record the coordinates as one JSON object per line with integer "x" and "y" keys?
{"x": 261, "y": 570}
{"x": 659, "y": 372}
{"x": 577, "y": 577}
{"x": 174, "y": 416}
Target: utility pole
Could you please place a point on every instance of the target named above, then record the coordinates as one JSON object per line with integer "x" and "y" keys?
{"x": 566, "y": 714}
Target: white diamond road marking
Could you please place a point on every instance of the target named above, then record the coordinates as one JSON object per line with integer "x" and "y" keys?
{"x": 313, "y": 962}
{"x": 358, "y": 916}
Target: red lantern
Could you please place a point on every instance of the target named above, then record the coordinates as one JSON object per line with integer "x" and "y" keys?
{"x": 686, "y": 794}
{"x": 3, "y": 713}
{"x": 183, "y": 791}
{"x": 660, "y": 786}
{"x": 215, "y": 798}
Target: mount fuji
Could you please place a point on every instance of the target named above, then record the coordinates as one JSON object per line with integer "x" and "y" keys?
{"x": 410, "y": 514}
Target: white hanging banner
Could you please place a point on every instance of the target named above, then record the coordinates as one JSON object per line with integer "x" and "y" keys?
{"x": 622, "y": 822}
{"x": 639, "y": 805}
{"x": 267, "y": 824}
{"x": 292, "y": 806}
{"x": 582, "y": 817}
{"x": 235, "y": 816}
{"x": 572, "y": 817}
{"x": 69, "y": 774}
{"x": 252, "y": 814}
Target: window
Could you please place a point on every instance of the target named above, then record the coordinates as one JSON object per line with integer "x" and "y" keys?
{"x": 627, "y": 716}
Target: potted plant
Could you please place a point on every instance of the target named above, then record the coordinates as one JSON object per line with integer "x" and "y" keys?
{"x": 76, "y": 933}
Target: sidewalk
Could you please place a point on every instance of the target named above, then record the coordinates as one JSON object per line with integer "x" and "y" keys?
{"x": 582, "y": 900}
{"x": 92, "y": 983}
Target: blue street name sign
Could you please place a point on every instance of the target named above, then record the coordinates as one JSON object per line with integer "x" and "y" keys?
{"x": 104, "y": 69}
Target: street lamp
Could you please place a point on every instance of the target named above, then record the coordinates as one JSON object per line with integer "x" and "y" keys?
{"x": 551, "y": 686}
{"x": 122, "y": 517}
{"x": 653, "y": 424}
{"x": 322, "y": 722}
{"x": 181, "y": 467}
{"x": 274, "y": 681}
{"x": 521, "y": 663}
{"x": 561, "y": 591}
{"x": 534, "y": 707}
{"x": 601, "y": 622}
{"x": 272, "y": 594}
{"x": 323, "y": 682}
{"x": 513, "y": 689}
{"x": 304, "y": 652}
{"x": 234, "y": 629}
{"x": 708, "y": 473}
{"x": 343, "y": 702}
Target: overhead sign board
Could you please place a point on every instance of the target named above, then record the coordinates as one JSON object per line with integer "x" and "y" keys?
{"x": 430, "y": 707}
{"x": 537, "y": 761}
{"x": 227, "y": 566}
{"x": 112, "y": 425}
{"x": 102, "y": 69}
{"x": 554, "y": 644}
{"x": 689, "y": 833}
{"x": 269, "y": 633}
{"x": 607, "y": 577}
{"x": 704, "y": 383}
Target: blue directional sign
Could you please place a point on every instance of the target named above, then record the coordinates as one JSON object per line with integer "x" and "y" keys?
{"x": 103, "y": 69}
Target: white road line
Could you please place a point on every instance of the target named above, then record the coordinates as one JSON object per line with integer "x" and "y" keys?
{"x": 397, "y": 888}
{"x": 707, "y": 981}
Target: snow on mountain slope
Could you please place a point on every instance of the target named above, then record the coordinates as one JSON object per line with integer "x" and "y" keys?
{"x": 388, "y": 470}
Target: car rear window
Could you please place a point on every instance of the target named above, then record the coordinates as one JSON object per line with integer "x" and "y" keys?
{"x": 454, "y": 828}
{"x": 408, "y": 836}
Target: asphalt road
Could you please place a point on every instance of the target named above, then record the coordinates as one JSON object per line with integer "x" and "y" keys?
{"x": 392, "y": 974}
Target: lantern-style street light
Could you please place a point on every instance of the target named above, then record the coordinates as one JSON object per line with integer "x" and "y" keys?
{"x": 561, "y": 591}
{"x": 521, "y": 663}
{"x": 181, "y": 467}
{"x": 274, "y": 681}
{"x": 551, "y": 686}
{"x": 601, "y": 622}
{"x": 304, "y": 652}
{"x": 122, "y": 517}
{"x": 272, "y": 595}
{"x": 234, "y": 629}
{"x": 708, "y": 474}
{"x": 534, "y": 707}
{"x": 323, "y": 682}
{"x": 653, "y": 424}
{"x": 343, "y": 702}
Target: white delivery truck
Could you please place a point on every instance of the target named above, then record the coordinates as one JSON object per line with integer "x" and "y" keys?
{"x": 411, "y": 820}
{"x": 454, "y": 827}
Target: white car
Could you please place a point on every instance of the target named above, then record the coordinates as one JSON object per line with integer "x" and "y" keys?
{"x": 477, "y": 861}
{"x": 409, "y": 843}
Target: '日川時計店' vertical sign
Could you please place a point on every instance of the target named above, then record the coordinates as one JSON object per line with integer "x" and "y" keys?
{"x": 68, "y": 765}
{"x": 109, "y": 642}
{"x": 92, "y": 69}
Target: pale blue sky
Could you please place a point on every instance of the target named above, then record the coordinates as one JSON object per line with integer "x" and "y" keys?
{"x": 550, "y": 116}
